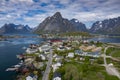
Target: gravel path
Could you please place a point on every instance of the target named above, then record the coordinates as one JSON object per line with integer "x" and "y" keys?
{"x": 110, "y": 68}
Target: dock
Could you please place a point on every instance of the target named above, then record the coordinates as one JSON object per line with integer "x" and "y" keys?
{"x": 11, "y": 69}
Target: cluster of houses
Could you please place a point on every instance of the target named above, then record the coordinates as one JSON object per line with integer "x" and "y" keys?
{"x": 32, "y": 48}
{"x": 56, "y": 65}
{"x": 84, "y": 50}
{"x": 32, "y": 60}
{"x": 42, "y": 52}
{"x": 43, "y": 55}
{"x": 91, "y": 54}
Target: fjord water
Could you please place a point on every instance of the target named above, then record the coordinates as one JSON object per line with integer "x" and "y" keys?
{"x": 8, "y": 51}
{"x": 107, "y": 39}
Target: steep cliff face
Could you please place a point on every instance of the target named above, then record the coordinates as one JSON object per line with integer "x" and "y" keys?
{"x": 57, "y": 23}
{"x": 78, "y": 25}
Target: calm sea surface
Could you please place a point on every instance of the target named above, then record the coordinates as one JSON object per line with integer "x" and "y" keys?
{"x": 107, "y": 40}
{"x": 9, "y": 49}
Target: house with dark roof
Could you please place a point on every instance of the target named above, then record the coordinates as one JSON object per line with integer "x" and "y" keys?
{"x": 56, "y": 76}
{"x": 31, "y": 77}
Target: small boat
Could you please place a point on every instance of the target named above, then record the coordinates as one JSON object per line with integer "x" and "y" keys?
{"x": 17, "y": 66}
{"x": 11, "y": 69}
{"x": 20, "y": 63}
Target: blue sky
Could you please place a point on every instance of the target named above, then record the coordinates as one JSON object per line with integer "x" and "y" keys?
{"x": 33, "y": 12}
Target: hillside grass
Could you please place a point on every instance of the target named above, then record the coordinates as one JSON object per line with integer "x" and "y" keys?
{"x": 75, "y": 71}
{"x": 75, "y": 34}
{"x": 113, "y": 51}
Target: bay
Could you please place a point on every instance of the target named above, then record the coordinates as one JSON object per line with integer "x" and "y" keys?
{"x": 8, "y": 51}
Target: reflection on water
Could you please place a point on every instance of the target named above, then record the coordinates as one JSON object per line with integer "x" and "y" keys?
{"x": 19, "y": 41}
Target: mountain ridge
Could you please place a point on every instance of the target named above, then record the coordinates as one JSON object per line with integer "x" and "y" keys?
{"x": 13, "y": 28}
{"x": 107, "y": 26}
{"x": 57, "y": 23}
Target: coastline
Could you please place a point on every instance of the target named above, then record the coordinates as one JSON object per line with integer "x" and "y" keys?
{"x": 115, "y": 44}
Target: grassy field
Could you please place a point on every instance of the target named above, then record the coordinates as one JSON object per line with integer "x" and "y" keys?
{"x": 75, "y": 34}
{"x": 116, "y": 53}
{"x": 109, "y": 50}
{"x": 75, "y": 71}
{"x": 113, "y": 51}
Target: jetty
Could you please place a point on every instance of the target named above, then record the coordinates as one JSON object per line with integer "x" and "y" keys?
{"x": 11, "y": 69}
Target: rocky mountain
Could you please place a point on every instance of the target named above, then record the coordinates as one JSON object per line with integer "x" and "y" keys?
{"x": 12, "y": 28}
{"x": 78, "y": 25}
{"x": 57, "y": 23}
{"x": 108, "y": 26}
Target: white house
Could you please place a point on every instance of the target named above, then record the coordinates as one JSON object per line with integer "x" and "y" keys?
{"x": 29, "y": 50}
{"x": 85, "y": 41}
{"x": 54, "y": 55}
{"x": 61, "y": 48}
{"x": 56, "y": 66}
{"x": 68, "y": 48}
{"x": 29, "y": 78}
{"x": 58, "y": 58}
{"x": 42, "y": 56}
{"x": 70, "y": 55}
{"x": 56, "y": 76}
{"x": 44, "y": 48}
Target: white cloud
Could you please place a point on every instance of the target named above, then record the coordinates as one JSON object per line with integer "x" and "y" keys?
{"x": 8, "y": 16}
{"x": 15, "y": 1}
{"x": 84, "y": 10}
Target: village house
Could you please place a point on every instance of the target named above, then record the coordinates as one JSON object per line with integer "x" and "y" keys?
{"x": 68, "y": 48}
{"x": 44, "y": 48}
{"x": 70, "y": 55}
{"x": 94, "y": 54}
{"x": 54, "y": 55}
{"x": 56, "y": 76}
{"x": 61, "y": 48}
{"x": 78, "y": 52}
{"x": 56, "y": 42}
{"x": 32, "y": 48}
{"x": 42, "y": 56}
{"x": 31, "y": 77}
{"x": 58, "y": 58}
{"x": 56, "y": 66}
{"x": 29, "y": 50}
{"x": 38, "y": 65}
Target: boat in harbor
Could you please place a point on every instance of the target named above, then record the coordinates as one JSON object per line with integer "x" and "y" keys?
{"x": 11, "y": 69}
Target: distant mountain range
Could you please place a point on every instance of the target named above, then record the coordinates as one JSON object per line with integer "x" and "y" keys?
{"x": 108, "y": 26}
{"x": 57, "y": 23}
{"x": 13, "y": 28}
